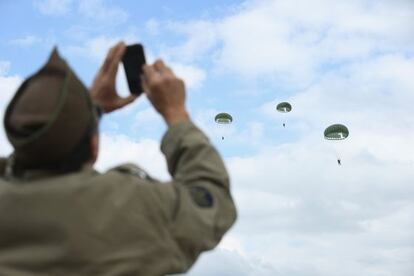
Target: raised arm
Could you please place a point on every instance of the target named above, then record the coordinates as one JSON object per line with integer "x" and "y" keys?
{"x": 205, "y": 209}
{"x": 197, "y": 208}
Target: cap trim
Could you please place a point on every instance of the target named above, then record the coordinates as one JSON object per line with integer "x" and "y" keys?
{"x": 62, "y": 99}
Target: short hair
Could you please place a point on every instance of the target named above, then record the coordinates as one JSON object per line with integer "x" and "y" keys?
{"x": 77, "y": 158}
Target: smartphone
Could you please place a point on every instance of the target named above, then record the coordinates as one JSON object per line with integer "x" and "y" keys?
{"x": 133, "y": 60}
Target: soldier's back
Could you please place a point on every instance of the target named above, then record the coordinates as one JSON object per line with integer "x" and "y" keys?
{"x": 88, "y": 223}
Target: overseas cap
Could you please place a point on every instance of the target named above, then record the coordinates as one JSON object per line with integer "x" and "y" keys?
{"x": 49, "y": 115}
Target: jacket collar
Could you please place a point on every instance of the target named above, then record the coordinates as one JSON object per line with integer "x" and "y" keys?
{"x": 34, "y": 175}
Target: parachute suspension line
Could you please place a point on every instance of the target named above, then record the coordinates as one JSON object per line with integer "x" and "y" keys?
{"x": 336, "y": 132}
{"x": 223, "y": 119}
{"x": 284, "y": 107}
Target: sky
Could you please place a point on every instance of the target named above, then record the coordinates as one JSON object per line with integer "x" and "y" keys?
{"x": 348, "y": 62}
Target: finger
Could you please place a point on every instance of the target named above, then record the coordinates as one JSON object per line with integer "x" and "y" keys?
{"x": 159, "y": 64}
{"x": 127, "y": 100}
{"x": 150, "y": 74}
{"x": 162, "y": 68}
{"x": 117, "y": 56}
{"x": 108, "y": 59}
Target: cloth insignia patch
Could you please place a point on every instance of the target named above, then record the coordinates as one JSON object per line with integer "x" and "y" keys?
{"x": 201, "y": 196}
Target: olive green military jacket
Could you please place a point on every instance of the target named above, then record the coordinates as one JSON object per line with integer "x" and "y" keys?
{"x": 122, "y": 222}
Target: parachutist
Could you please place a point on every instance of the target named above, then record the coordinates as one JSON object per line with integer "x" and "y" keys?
{"x": 336, "y": 132}
{"x": 284, "y": 107}
{"x": 223, "y": 119}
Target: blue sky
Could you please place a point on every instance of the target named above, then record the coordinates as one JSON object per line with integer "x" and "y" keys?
{"x": 349, "y": 62}
{"x": 83, "y": 37}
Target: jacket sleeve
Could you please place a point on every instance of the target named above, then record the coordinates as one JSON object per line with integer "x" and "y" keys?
{"x": 204, "y": 208}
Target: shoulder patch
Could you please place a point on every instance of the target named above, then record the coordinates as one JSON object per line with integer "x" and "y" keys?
{"x": 201, "y": 196}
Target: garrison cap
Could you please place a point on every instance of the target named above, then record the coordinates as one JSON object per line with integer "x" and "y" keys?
{"x": 49, "y": 114}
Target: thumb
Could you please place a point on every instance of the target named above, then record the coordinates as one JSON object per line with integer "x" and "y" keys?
{"x": 127, "y": 100}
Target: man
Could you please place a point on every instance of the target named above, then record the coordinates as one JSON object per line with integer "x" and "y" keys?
{"x": 58, "y": 216}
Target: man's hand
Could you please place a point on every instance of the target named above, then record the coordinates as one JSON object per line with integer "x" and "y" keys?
{"x": 103, "y": 89}
{"x": 166, "y": 92}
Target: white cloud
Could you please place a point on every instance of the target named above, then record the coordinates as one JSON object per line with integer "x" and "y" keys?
{"x": 8, "y": 86}
{"x": 148, "y": 117}
{"x": 205, "y": 120}
{"x": 289, "y": 41}
{"x": 192, "y": 75}
{"x": 299, "y": 212}
{"x": 299, "y": 188}
{"x": 4, "y": 67}
{"x": 98, "y": 10}
{"x": 230, "y": 263}
{"x": 202, "y": 37}
{"x": 53, "y": 7}
{"x": 291, "y": 45}
{"x": 250, "y": 133}
{"x": 118, "y": 149}
{"x": 26, "y": 41}
{"x": 95, "y": 10}
{"x": 371, "y": 97}
{"x": 96, "y": 47}
{"x": 152, "y": 26}
{"x": 121, "y": 82}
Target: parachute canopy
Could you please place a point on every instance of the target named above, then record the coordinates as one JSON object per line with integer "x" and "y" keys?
{"x": 336, "y": 132}
{"x": 284, "y": 107}
{"x": 223, "y": 118}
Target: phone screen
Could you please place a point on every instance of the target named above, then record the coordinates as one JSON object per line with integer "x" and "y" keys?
{"x": 133, "y": 60}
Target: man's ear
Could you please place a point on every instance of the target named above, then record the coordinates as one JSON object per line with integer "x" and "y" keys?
{"x": 94, "y": 147}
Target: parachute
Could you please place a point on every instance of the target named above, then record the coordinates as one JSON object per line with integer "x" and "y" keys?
{"x": 284, "y": 107}
{"x": 223, "y": 119}
{"x": 336, "y": 132}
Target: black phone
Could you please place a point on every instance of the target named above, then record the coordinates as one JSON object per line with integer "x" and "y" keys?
{"x": 133, "y": 60}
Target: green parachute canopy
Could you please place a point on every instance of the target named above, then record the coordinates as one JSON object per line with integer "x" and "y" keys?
{"x": 284, "y": 107}
{"x": 336, "y": 132}
{"x": 223, "y": 118}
